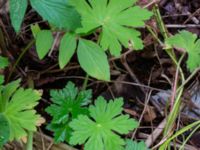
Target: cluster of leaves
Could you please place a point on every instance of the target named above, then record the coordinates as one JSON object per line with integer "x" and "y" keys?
{"x": 95, "y": 126}
{"x": 68, "y": 103}
{"x": 190, "y": 44}
{"x": 17, "y": 114}
{"x": 81, "y": 18}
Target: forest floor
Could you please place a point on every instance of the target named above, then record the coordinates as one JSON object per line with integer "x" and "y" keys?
{"x": 144, "y": 79}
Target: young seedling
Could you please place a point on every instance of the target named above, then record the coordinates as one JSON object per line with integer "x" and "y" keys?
{"x": 68, "y": 103}
{"x": 115, "y": 20}
{"x": 17, "y": 114}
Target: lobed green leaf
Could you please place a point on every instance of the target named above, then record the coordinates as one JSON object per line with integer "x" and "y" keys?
{"x": 114, "y": 17}
{"x": 98, "y": 131}
{"x": 68, "y": 103}
{"x": 188, "y": 42}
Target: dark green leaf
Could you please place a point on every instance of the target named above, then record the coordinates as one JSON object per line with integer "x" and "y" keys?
{"x": 58, "y": 13}
{"x": 58, "y": 96}
{"x": 62, "y": 132}
{"x": 17, "y": 12}
{"x": 68, "y": 103}
{"x": 4, "y": 130}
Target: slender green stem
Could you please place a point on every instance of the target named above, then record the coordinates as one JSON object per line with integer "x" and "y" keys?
{"x": 164, "y": 32}
{"x": 29, "y": 144}
{"x": 160, "y": 22}
{"x": 185, "y": 141}
{"x": 188, "y": 79}
{"x": 154, "y": 35}
{"x": 170, "y": 51}
{"x": 177, "y": 106}
{"x": 181, "y": 131}
{"x": 85, "y": 82}
{"x": 20, "y": 57}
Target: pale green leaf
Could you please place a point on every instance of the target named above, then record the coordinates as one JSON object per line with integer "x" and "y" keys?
{"x": 114, "y": 17}
{"x": 58, "y": 13}
{"x": 7, "y": 92}
{"x": 99, "y": 130}
{"x": 35, "y": 29}
{"x": 189, "y": 42}
{"x": 44, "y": 41}
{"x": 93, "y": 60}
{"x": 17, "y": 12}
{"x": 21, "y": 118}
{"x": 3, "y": 62}
{"x": 67, "y": 49}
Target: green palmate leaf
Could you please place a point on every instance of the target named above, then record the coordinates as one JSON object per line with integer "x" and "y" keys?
{"x": 21, "y": 118}
{"x": 68, "y": 103}
{"x": 67, "y": 49}
{"x": 189, "y": 42}
{"x": 99, "y": 130}
{"x": 93, "y": 60}
{"x": 114, "y": 17}
{"x": 133, "y": 145}
{"x": 4, "y": 130}
{"x": 3, "y": 62}
{"x": 17, "y": 12}
{"x": 58, "y": 13}
{"x": 7, "y": 92}
{"x": 44, "y": 41}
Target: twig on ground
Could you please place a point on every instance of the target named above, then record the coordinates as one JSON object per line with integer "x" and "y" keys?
{"x": 174, "y": 88}
{"x": 54, "y": 43}
{"x": 182, "y": 26}
{"x": 180, "y": 9}
{"x": 144, "y": 110}
{"x": 156, "y": 133}
{"x": 192, "y": 16}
